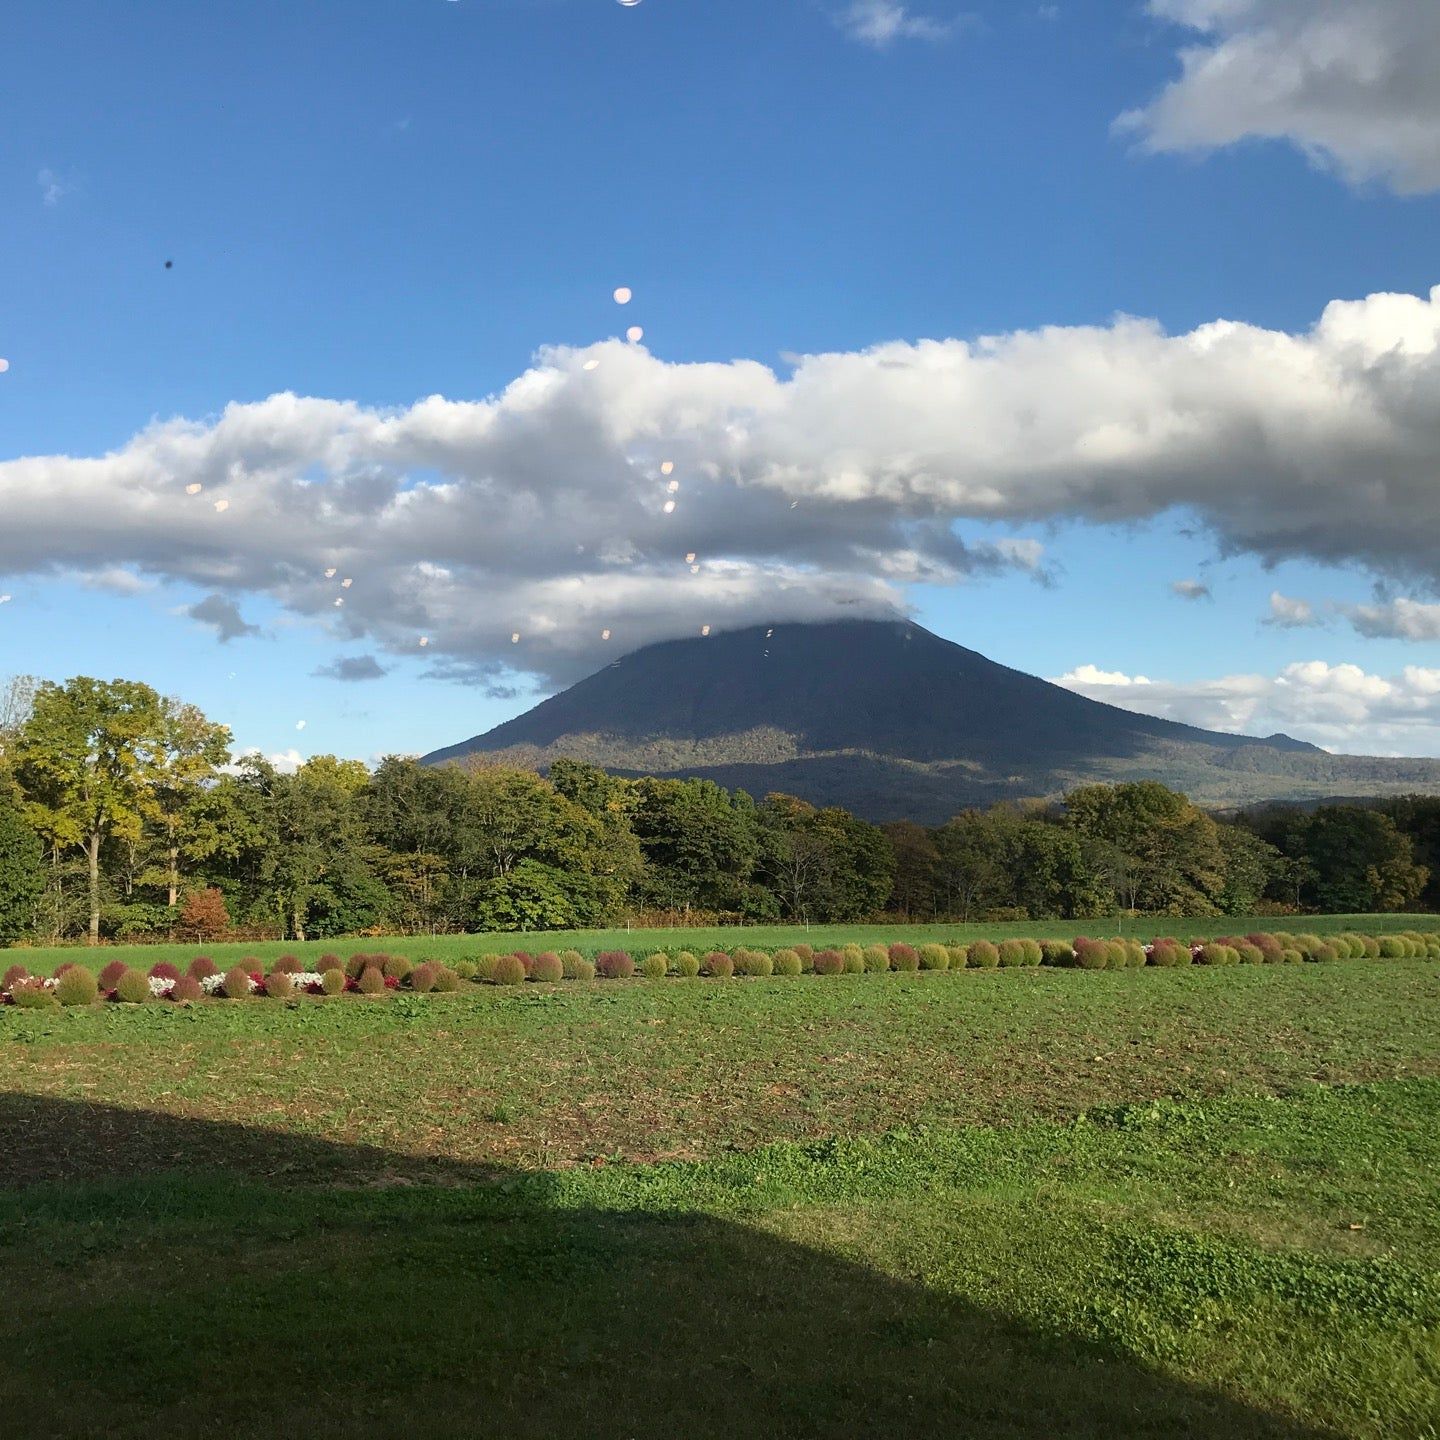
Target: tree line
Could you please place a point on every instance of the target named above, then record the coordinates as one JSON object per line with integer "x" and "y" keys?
{"x": 124, "y": 815}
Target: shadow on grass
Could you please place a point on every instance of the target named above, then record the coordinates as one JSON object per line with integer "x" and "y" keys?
{"x": 172, "y": 1276}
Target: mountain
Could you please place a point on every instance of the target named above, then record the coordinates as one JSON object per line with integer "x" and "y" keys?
{"x": 894, "y": 722}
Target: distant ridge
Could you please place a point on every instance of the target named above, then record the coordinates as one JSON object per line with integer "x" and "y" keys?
{"x": 894, "y": 722}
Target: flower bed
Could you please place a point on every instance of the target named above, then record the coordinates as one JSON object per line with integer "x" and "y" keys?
{"x": 379, "y": 974}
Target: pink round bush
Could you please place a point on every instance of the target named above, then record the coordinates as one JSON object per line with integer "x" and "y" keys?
{"x": 614, "y": 965}
{"x": 548, "y": 968}
{"x": 904, "y": 957}
{"x": 829, "y": 962}
{"x": 719, "y": 965}
{"x": 202, "y": 967}
{"x": 187, "y": 990}
{"x": 164, "y": 970}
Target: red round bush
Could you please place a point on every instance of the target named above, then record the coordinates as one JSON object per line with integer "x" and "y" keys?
{"x": 328, "y": 962}
{"x": 614, "y": 965}
{"x": 904, "y": 957}
{"x": 829, "y": 962}
{"x": 719, "y": 965}
{"x": 19, "y": 972}
{"x": 289, "y": 965}
{"x": 164, "y": 970}
{"x": 202, "y": 968}
{"x": 422, "y": 978}
{"x": 548, "y": 968}
{"x": 187, "y": 989}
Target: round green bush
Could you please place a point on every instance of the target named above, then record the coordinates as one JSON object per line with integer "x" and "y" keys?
{"x": 1034, "y": 955}
{"x": 485, "y": 967}
{"x": 1249, "y": 954}
{"x": 447, "y": 982}
{"x": 786, "y": 962}
{"x": 1012, "y": 953}
{"x": 279, "y": 985}
{"x": 548, "y": 969}
{"x": 236, "y": 985}
{"x": 1091, "y": 954}
{"x": 718, "y": 965}
{"x": 1216, "y": 954}
{"x": 1370, "y": 947}
{"x": 569, "y": 959}
{"x": 1056, "y": 952}
{"x": 959, "y": 956}
{"x": 829, "y": 962}
{"x": 1286, "y": 939}
{"x": 1268, "y": 945}
{"x": 35, "y": 994}
{"x": 877, "y": 959}
{"x": 584, "y": 969}
{"x": 372, "y": 981}
{"x": 187, "y": 991}
{"x": 854, "y": 957}
{"x": 1292, "y": 957}
{"x": 464, "y": 969}
{"x": 332, "y": 981}
{"x": 934, "y": 957}
{"x": 77, "y": 987}
{"x": 982, "y": 955}
{"x": 507, "y": 970}
{"x": 396, "y": 967}
{"x": 904, "y": 957}
{"x": 1308, "y": 944}
{"x": 655, "y": 967}
{"x": 1354, "y": 947}
{"x": 754, "y": 963}
{"x": 805, "y": 952}
{"x": 687, "y": 966}
{"x": 133, "y": 987}
{"x": 1323, "y": 954}
{"x": 1119, "y": 955}
{"x": 614, "y": 965}
{"x": 422, "y": 977}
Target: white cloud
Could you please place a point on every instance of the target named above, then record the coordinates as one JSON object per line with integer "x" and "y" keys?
{"x": 53, "y": 187}
{"x": 1340, "y": 707}
{"x": 1191, "y": 589}
{"x": 1351, "y": 83}
{"x": 117, "y": 580}
{"x": 1288, "y": 613}
{"x": 882, "y": 22}
{"x": 1396, "y": 620}
{"x": 826, "y": 492}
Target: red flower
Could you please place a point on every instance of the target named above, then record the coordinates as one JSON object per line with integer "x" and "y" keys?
{"x": 391, "y": 982}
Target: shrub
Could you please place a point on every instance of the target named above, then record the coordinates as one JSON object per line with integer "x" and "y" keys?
{"x": 329, "y": 962}
{"x": 77, "y": 986}
{"x": 19, "y": 972}
{"x": 548, "y": 969}
{"x": 854, "y": 953}
{"x": 332, "y": 981}
{"x": 1216, "y": 954}
{"x": 982, "y": 955}
{"x": 204, "y": 914}
{"x": 133, "y": 988}
{"x": 1307, "y": 944}
{"x": 1292, "y": 957}
{"x": 447, "y": 982}
{"x": 754, "y": 962}
{"x": 805, "y": 952}
{"x": 201, "y": 968}
{"x": 485, "y": 967}
{"x": 507, "y": 970}
{"x": 396, "y": 967}
{"x": 584, "y": 969}
{"x": 904, "y": 957}
{"x": 959, "y": 956}
{"x": 1034, "y": 955}
{"x": 569, "y": 959}
{"x": 187, "y": 991}
{"x": 372, "y": 981}
{"x": 236, "y": 984}
{"x": 34, "y": 994}
{"x": 934, "y": 957}
{"x": 525, "y": 958}
{"x": 877, "y": 958}
{"x": 1249, "y": 954}
{"x": 164, "y": 970}
{"x": 719, "y": 965}
{"x": 1354, "y": 946}
{"x": 830, "y": 962}
{"x": 1012, "y": 952}
{"x": 289, "y": 965}
{"x": 278, "y": 985}
{"x": 786, "y": 962}
{"x": 1268, "y": 945}
{"x": 1169, "y": 953}
{"x": 422, "y": 978}
{"x": 655, "y": 967}
{"x": 1091, "y": 954}
{"x": 356, "y": 965}
{"x": 614, "y": 965}
{"x": 1323, "y": 953}
{"x": 464, "y": 969}
{"x": 1370, "y": 947}
{"x": 686, "y": 965}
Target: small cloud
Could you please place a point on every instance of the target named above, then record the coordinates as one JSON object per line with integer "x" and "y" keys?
{"x": 223, "y": 616}
{"x": 53, "y": 188}
{"x": 1287, "y": 613}
{"x": 1191, "y": 589}
{"x": 880, "y": 23}
{"x": 1048, "y": 12}
{"x": 352, "y": 667}
{"x": 1398, "y": 620}
{"x": 117, "y": 581}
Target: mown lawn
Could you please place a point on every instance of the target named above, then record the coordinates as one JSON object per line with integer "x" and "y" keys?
{"x": 1212, "y": 1209}
{"x": 42, "y": 960}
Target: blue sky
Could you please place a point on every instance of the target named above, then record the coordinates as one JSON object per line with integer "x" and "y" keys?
{"x": 380, "y": 202}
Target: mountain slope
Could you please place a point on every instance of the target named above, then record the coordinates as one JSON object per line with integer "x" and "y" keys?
{"x": 895, "y": 722}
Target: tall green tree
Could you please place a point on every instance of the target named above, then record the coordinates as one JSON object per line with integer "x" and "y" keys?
{"x": 22, "y": 869}
{"x": 86, "y": 757}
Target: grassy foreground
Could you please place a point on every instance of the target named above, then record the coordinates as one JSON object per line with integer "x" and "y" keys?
{"x": 405, "y": 1215}
{"x": 42, "y": 960}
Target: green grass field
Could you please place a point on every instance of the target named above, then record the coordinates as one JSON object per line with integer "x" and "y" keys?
{"x": 43, "y": 960}
{"x": 1020, "y": 1203}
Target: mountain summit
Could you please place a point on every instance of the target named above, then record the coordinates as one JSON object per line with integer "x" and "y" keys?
{"x": 892, "y": 722}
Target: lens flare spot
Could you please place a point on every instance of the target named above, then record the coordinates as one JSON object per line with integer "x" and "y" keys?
{"x": 635, "y": 334}
{"x": 515, "y": 638}
{"x": 704, "y": 629}
{"x": 624, "y": 295}
{"x": 222, "y": 506}
{"x": 667, "y": 467}
{"x": 669, "y": 507}
{"x": 194, "y": 488}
